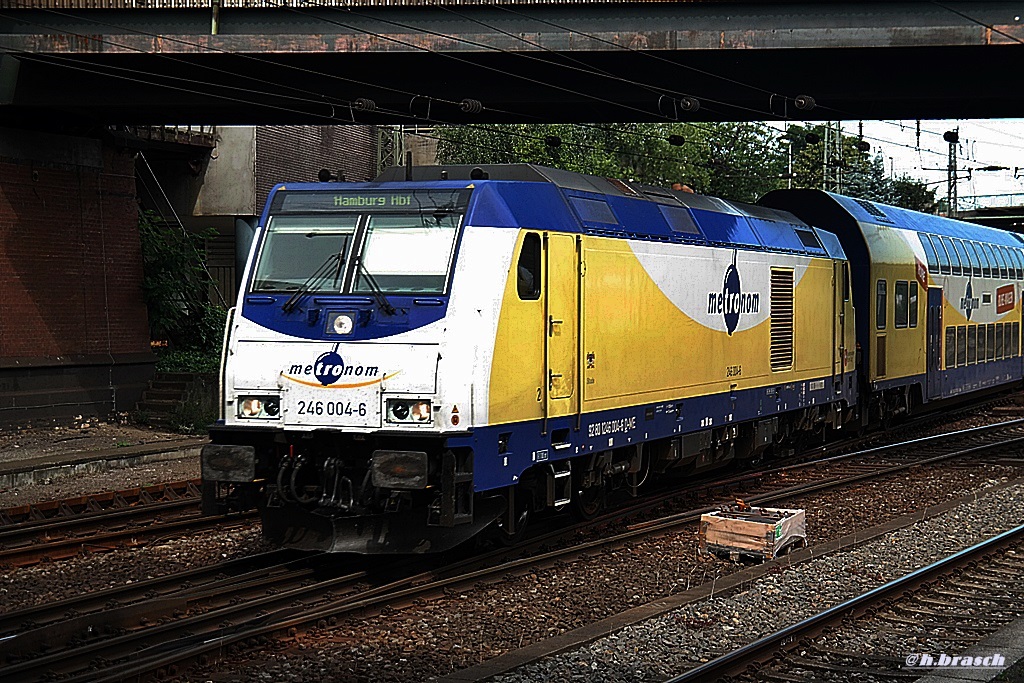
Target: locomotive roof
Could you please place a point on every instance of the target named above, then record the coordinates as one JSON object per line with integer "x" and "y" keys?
{"x": 612, "y": 207}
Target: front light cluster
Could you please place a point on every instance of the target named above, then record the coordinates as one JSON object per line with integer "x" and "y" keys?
{"x": 340, "y": 322}
{"x": 400, "y": 410}
{"x": 259, "y": 406}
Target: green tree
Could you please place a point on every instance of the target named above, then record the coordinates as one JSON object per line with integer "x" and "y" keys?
{"x": 913, "y": 194}
{"x": 734, "y": 161}
{"x": 176, "y": 287}
{"x": 863, "y": 174}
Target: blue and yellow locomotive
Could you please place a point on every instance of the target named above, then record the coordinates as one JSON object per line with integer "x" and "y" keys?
{"x": 413, "y": 361}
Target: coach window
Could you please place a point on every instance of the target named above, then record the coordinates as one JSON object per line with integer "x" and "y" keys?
{"x": 991, "y": 344}
{"x": 1018, "y": 267}
{"x": 981, "y": 344}
{"x": 972, "y": 344}
{"x": 998, "y": 265}
{"x": 965, "y": 260}
{"x": 880, "y": 305}
{"x": 846, "y": 280}
{"x": 954, "y": 260}
{"x": 972, "y": 249}
{"x": 1011, "y": 263}
{"x": 929, "y": 253}
{"x": 913, "y": 304}
{"x": 1010, "y": 268}
{"x": 940, "y": 252}
{"x": 901, "y": 303}
{"x": 961, "y": 345}
{"x": 950, "y": 347}
{"x": 993, "y": 266}
{"x": 528, "y": 269}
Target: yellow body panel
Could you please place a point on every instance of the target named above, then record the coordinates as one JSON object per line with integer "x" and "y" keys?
{"x": 639, "y": 347}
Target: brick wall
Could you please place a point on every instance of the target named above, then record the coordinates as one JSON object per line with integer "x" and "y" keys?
{"x": 296, "y": 153}
{"x": 70, "y": 274}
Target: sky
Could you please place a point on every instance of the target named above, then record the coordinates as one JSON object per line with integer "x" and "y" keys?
{"x": 983, "y": 142}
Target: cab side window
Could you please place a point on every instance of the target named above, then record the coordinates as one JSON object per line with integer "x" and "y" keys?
{"x": 880, "y": 305}
{"x": 528, "y": 268}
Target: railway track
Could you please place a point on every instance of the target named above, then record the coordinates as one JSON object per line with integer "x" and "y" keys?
{"x": 64, "y": 528}
{"x": 981, "y": 583}
{"x": 199, "y": 622}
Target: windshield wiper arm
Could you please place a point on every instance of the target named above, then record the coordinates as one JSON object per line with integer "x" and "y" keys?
{"x": 378, "y": 293}
{"x": 318, "y": 276}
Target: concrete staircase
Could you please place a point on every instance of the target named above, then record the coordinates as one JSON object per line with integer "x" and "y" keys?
{"x": 165, "y": 395}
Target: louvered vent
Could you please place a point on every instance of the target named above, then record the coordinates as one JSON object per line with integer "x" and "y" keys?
{"x": 873, "y": 210}
{"x": 782, "y": 319}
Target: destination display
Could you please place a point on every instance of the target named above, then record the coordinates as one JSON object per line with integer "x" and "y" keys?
{"x": 299, "y": 201}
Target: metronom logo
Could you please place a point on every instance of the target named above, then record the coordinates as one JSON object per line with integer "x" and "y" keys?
{"x": 329, "y": 367}
{"x": 732, "y": 301}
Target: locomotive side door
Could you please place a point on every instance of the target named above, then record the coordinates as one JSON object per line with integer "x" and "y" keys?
{"x": 840, "y": 284}
{"x": 561, "y": 307}
{"x": 934, "y": 340}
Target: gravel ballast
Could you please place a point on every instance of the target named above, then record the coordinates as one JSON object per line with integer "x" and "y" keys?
{"x": 474, "y": 625}
{"x": 668, "y": 645}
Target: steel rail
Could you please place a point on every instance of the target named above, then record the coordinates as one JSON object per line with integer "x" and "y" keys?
{"x": 760, "y": 650}
{"x": 95, "y": 505}
{"x": 101, "y": 541}
{"x": 88, "y": 604}
{"x": 171, "y": 654}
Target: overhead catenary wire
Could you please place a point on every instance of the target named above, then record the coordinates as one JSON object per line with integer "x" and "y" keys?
{"x": 323, "y": 100}
{"x": 336, "y": 102}
{"x": 319, "y": 97}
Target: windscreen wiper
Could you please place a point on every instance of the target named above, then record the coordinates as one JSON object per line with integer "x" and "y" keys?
{"x": 378, "y": 293}
{"x": 314, "y": 280}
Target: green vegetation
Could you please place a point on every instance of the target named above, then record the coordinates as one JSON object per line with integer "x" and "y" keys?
{"x": 176, "y": 288}
{"x": 177, "y": 360}
{"x": 739, "y": 161}
{"x": 198, "y": 408}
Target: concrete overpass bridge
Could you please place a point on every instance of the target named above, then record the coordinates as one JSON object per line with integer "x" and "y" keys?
{"x": 369, "y": 61}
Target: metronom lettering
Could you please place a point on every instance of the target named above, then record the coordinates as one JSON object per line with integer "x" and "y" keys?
{"x": 336, "y": 370}
{"x": 722, "y": 303}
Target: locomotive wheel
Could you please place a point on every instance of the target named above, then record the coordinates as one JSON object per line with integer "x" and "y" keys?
{"x": 587, "y": 502}
{"x": 521, "y": 518}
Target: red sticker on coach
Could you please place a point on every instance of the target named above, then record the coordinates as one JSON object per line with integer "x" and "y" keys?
{"x": 1004, "y": 299}
{"x": 922, "y": 274}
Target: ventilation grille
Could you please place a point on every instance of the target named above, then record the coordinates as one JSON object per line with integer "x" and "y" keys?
{"x": 782, "y": 319}
{"x": 873, "y": 210}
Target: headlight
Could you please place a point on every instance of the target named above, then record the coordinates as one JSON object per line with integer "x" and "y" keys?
{"x": 400, "y": 410}
{"x": 340, "y": 323}
{"x": 259, "y": 406}
{"x": 421, "y": 411}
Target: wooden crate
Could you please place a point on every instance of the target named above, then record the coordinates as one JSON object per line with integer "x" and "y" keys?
{"x": 755, "y": 533}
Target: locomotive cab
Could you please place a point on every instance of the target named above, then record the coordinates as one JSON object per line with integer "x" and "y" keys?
{"x": 341, "y": 378}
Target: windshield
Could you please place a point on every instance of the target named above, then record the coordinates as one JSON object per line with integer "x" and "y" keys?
{"x": 296, "y": 246}
{"x": 407, "y": 254}
{"x": 373, "y": 241}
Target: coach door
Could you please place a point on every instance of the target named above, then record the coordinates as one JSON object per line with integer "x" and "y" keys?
{"x": 839, "y": 283}
{"x": 561, "y": 307}
{"x": 934, "y": 342}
